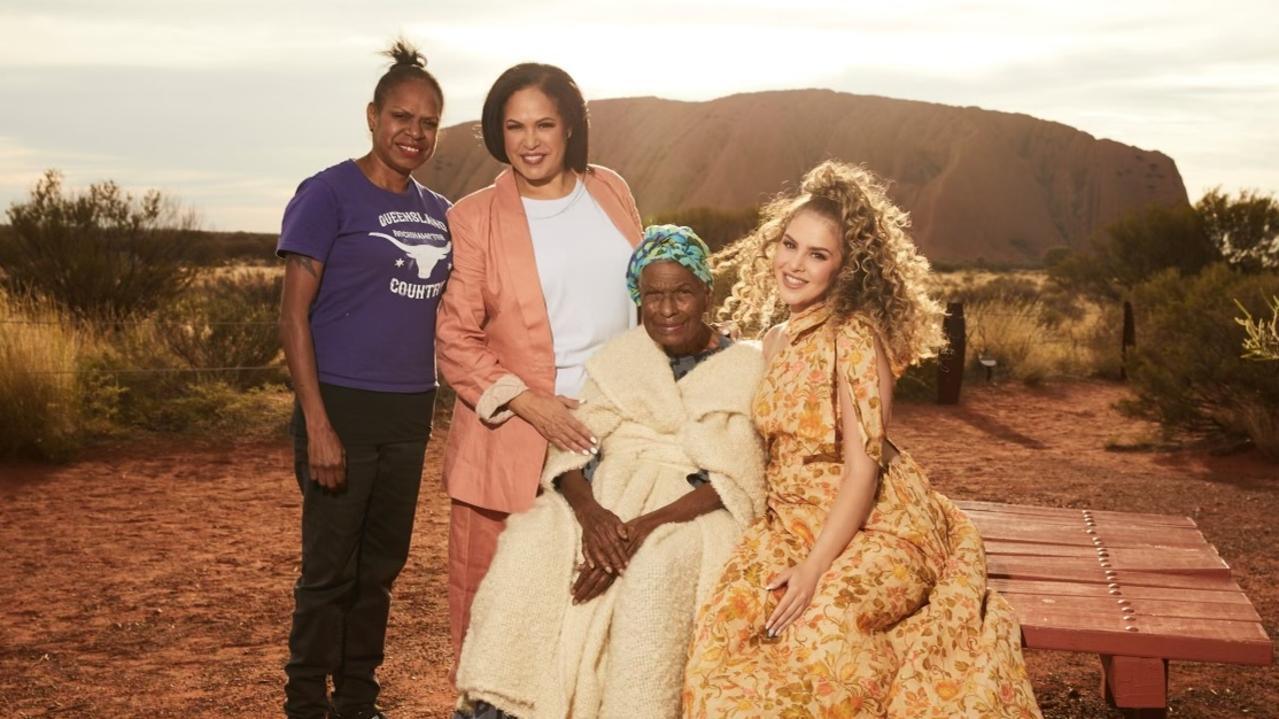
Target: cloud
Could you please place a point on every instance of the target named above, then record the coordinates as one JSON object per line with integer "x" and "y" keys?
{"x": 212, "y": 99}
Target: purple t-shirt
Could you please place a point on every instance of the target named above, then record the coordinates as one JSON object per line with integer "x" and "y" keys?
{"x": 387, "y": 256}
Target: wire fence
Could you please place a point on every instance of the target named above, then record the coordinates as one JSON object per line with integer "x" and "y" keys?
{"x": 136, "y": 323}
{"x": 155, "y": 370}
{"x": 972, "y": 337}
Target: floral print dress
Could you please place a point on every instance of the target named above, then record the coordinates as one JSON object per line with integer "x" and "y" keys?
{"x": 902, "y": 624}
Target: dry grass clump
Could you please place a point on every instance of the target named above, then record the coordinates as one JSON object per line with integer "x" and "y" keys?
{"x": 1031, "y": 329}
{"x": 42, "y": 402}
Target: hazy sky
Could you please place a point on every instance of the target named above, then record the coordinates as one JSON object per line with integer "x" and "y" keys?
{"x": 229, "y": 104}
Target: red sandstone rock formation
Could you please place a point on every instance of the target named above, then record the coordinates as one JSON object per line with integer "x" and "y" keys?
{"x": 979, "y": 184}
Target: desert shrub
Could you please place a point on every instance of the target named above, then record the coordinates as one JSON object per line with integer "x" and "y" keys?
{"x": 1136, "y": 248}
{"x": 152, "y": 388}
{"x": 99, "y": 253}
{"x": 1242, "y": 230}
{"x": 226, "y": 321}
{"x": 1245, "y": 228}
{"x": 1187, "y": 369}
{"x": 166, "y": 373}
{"x": 212, "y": 405}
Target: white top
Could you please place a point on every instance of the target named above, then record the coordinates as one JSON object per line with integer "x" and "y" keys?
{"x": 581, "y": 261}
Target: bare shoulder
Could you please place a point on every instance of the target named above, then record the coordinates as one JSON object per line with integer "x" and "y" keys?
{"x": 774, "y": 339}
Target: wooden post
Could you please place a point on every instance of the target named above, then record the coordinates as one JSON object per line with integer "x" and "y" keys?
{"x": 950, "y": 365}
{"x": 1137, "y": 686}
{"x": 1129, "y": 340}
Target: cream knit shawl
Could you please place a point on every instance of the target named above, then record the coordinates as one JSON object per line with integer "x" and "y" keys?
{"x": 529, "y": 650}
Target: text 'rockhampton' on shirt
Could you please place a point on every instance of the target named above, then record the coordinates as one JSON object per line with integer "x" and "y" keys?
{"x": 387, "y": 256}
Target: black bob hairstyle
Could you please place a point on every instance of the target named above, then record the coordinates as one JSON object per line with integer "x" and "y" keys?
{"x": 558, "y": 86}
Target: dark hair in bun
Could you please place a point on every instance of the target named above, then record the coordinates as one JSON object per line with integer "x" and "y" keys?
{"x": 407, "y": 63}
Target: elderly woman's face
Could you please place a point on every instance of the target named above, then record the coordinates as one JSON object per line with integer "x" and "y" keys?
{"x": 672, "y": 303}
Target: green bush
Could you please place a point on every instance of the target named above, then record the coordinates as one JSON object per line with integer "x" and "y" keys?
{"x": 227, "y": 321}
{"x": 100, "y": 253}
{"x": 211, "y": 405}
{"x": 1187, "y": 370}
{"x": 143, "y": 385}
{"x": 1136, "y": 248}
{"x": 1245, "y": 227}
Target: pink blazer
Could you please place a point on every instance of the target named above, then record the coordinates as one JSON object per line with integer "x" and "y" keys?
{"x": 492, "y": 324}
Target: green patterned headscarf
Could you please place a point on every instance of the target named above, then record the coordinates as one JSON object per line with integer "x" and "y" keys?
{"x": 673, "y": 243}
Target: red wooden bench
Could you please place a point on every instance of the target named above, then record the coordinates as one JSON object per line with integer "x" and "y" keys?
{"x": 1138, "y": 590}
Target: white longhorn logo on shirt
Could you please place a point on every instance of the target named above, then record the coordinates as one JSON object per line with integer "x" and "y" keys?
{"x": 426, "y": 256}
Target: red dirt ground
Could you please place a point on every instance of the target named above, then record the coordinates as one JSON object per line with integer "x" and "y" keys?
{"x": 153, "y": 580}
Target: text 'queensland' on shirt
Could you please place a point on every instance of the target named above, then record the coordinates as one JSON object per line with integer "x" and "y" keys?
{"x": 387, "y": 257}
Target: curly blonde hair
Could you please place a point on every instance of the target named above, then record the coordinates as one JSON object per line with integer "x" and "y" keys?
{"x": 882, "y": 279}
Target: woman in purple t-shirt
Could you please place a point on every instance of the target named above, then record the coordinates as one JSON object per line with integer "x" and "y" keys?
{"x": 367, "y": 255}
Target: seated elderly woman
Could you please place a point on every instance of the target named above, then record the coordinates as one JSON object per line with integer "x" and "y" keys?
{"x": 588, "y": 607}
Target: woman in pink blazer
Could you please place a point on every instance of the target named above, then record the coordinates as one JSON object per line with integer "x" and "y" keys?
{"x": 538, "y": 283}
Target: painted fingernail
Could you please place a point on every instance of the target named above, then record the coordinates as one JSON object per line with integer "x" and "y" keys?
{"x": 594, "y": 440}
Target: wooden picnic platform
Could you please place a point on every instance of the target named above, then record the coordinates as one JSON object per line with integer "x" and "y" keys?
{"x": 1138, "y": 590}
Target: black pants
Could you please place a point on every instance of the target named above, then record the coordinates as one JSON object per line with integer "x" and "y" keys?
{"x": 355, "y": 541}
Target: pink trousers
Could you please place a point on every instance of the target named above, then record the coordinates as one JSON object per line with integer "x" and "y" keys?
{"x": 473, "y": 533}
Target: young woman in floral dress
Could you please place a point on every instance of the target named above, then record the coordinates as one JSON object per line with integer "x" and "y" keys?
{"x": 862, "y": 592}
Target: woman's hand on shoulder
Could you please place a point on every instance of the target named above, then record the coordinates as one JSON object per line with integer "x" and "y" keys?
{"x": 800, "y": 581}
{"x": 552, "y": 417}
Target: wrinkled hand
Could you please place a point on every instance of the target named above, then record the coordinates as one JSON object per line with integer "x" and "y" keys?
{"x": 326, "y": 458}
{"x": 591, "y": 582}
{"x": 604, "y": 539}
{"x": 637, "y": 530}
{"x": 550, "y": 416}
{"x": 801, "y": 584}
